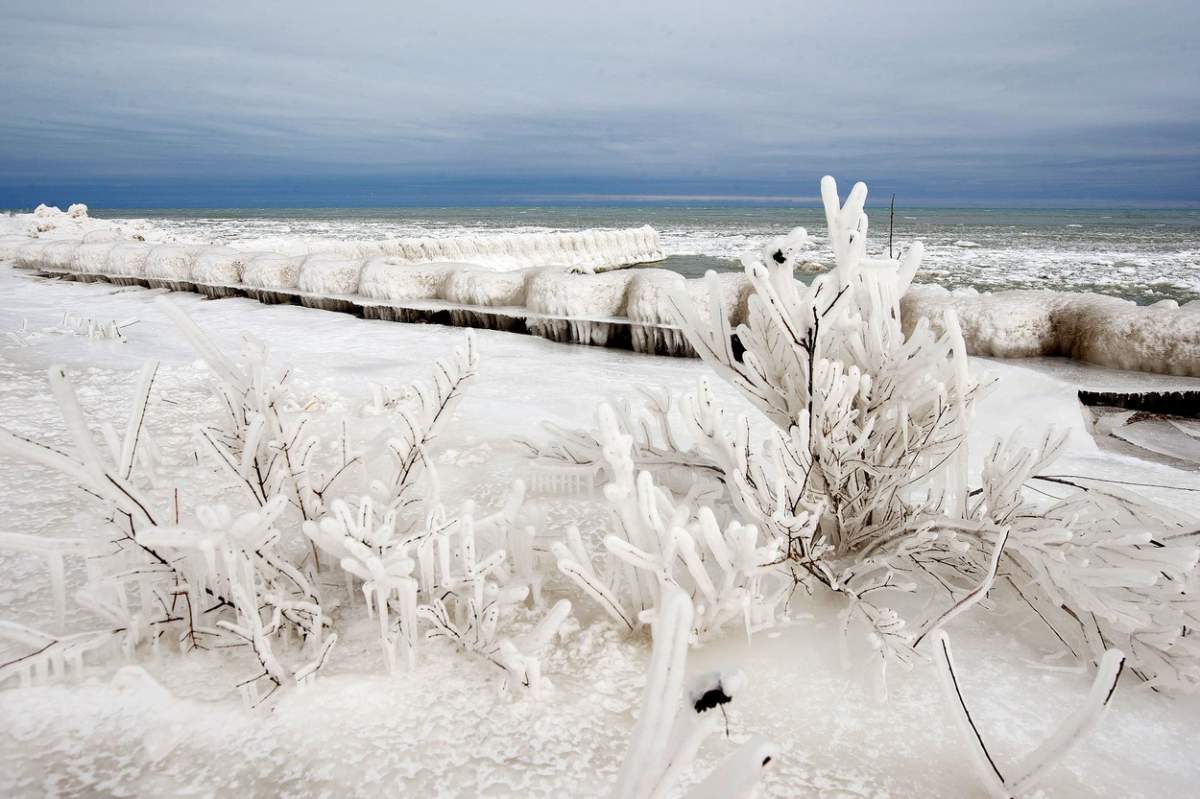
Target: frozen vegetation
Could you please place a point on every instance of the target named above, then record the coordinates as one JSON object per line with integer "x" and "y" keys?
{"x": 270, "y": 549}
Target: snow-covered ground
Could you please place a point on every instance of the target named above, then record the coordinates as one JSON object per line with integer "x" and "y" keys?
{"x": 172, "y": 724}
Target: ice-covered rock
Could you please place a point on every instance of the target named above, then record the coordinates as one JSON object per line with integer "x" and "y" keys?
{"x": 58, "y": 255}
{"x": 29, "y": 254}
{"x": 272, "y": 271}
{"x": 127, "y": 262}
{"x": 391, "y": 278}
{"x": 77, "y": 211}
{"x": 1087, "y": 327}
{"x": 91, "y": 258}
{"x": 217, "y": 271}
{"x": 486, "y": 287}
{"x": 330, "y": 274}
{"x": 649, "y": 301}
{"x": 581, "y": 303}
{"x": 170, "y": 266}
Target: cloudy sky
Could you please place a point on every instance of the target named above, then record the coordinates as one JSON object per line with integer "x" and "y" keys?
{"x": 254, "y": 102}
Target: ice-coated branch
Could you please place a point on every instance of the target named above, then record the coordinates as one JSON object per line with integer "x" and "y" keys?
{"x": 669, "y": 731}
{"x": 1006, "y": 782}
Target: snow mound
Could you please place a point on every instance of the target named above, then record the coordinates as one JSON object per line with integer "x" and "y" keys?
{"x": 330, "y": 274}
{"x": 1087, "y": 327}
{"x": 561, "y": 293}
{"x": 649, "y": 302}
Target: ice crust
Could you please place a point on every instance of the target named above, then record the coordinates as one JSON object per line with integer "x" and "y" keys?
{"x": 330, "y": 274}
{"x": 272, "y": 271}
{"x": 170, "y": 265}
{"x": 589, "y": 249}
{"x": 1107, "y": 331}
{"x": 220, "y": 266}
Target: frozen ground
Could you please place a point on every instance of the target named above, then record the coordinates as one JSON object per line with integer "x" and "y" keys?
{"x": 173, "y": 725}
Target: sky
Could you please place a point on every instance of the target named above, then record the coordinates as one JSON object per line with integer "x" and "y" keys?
{"x": 259, "y": 103}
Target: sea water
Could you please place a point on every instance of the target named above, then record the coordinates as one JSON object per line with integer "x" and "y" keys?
{"x": 1145, "y": 255}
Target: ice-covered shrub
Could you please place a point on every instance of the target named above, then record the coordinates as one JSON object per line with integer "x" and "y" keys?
{"x": 856, "y": 469}
{"x": 301, "y": 505}
{"x": 659, "y": 544}
{"x": 673, "y": 723}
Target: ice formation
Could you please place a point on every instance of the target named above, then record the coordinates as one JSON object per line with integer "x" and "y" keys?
{"x": 217, "y": 271}
{"x": 864, "y": 483}
{"x": 1094, "y": 328}
{"x": 329, "y": 274}
{"x": 127, "y": 263}
{"x": 391, "y": 278}
{"x": 455, "y": 280}
{"x": 169, "y": 266}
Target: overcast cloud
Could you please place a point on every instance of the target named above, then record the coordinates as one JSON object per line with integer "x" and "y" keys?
{"x": 1038, "y": 101}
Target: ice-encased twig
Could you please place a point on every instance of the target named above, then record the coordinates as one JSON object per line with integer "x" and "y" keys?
{"x": 1006, "y": 783}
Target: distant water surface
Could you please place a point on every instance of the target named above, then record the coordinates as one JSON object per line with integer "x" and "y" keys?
{"x": 1146, "y": 255}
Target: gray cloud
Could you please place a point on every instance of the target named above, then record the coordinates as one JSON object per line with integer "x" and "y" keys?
{"x": 942, "y": 98}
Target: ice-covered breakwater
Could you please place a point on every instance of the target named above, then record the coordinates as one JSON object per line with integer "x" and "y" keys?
{"x": 1163, "y": 338}
{"x": 623, "y": 308}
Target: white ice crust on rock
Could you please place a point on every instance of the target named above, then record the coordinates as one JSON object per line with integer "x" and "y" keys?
{"x": 327, "y": 273}
{"x": 91, "y": 257}
{"x": 561, "y": 293}
{"x": 485, "y": 287}
{"x": 128, "y": 259}
{"x": 58, "y": 255}
{"x": 272, "y": 271}
{"x": 391, "y": 278}
{"x": 220, "y": 266}
{"x": 170, "y": 263}
{"x": 1093, "y": 328}
{"x": 590, "y": 249}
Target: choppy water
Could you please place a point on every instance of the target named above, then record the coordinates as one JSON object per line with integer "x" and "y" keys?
{"x": 1141, "y": 254}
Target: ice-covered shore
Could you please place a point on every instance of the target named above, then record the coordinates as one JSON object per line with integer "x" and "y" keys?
{"x": 555, "y": 285}
{"x": 172, "y": 721}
